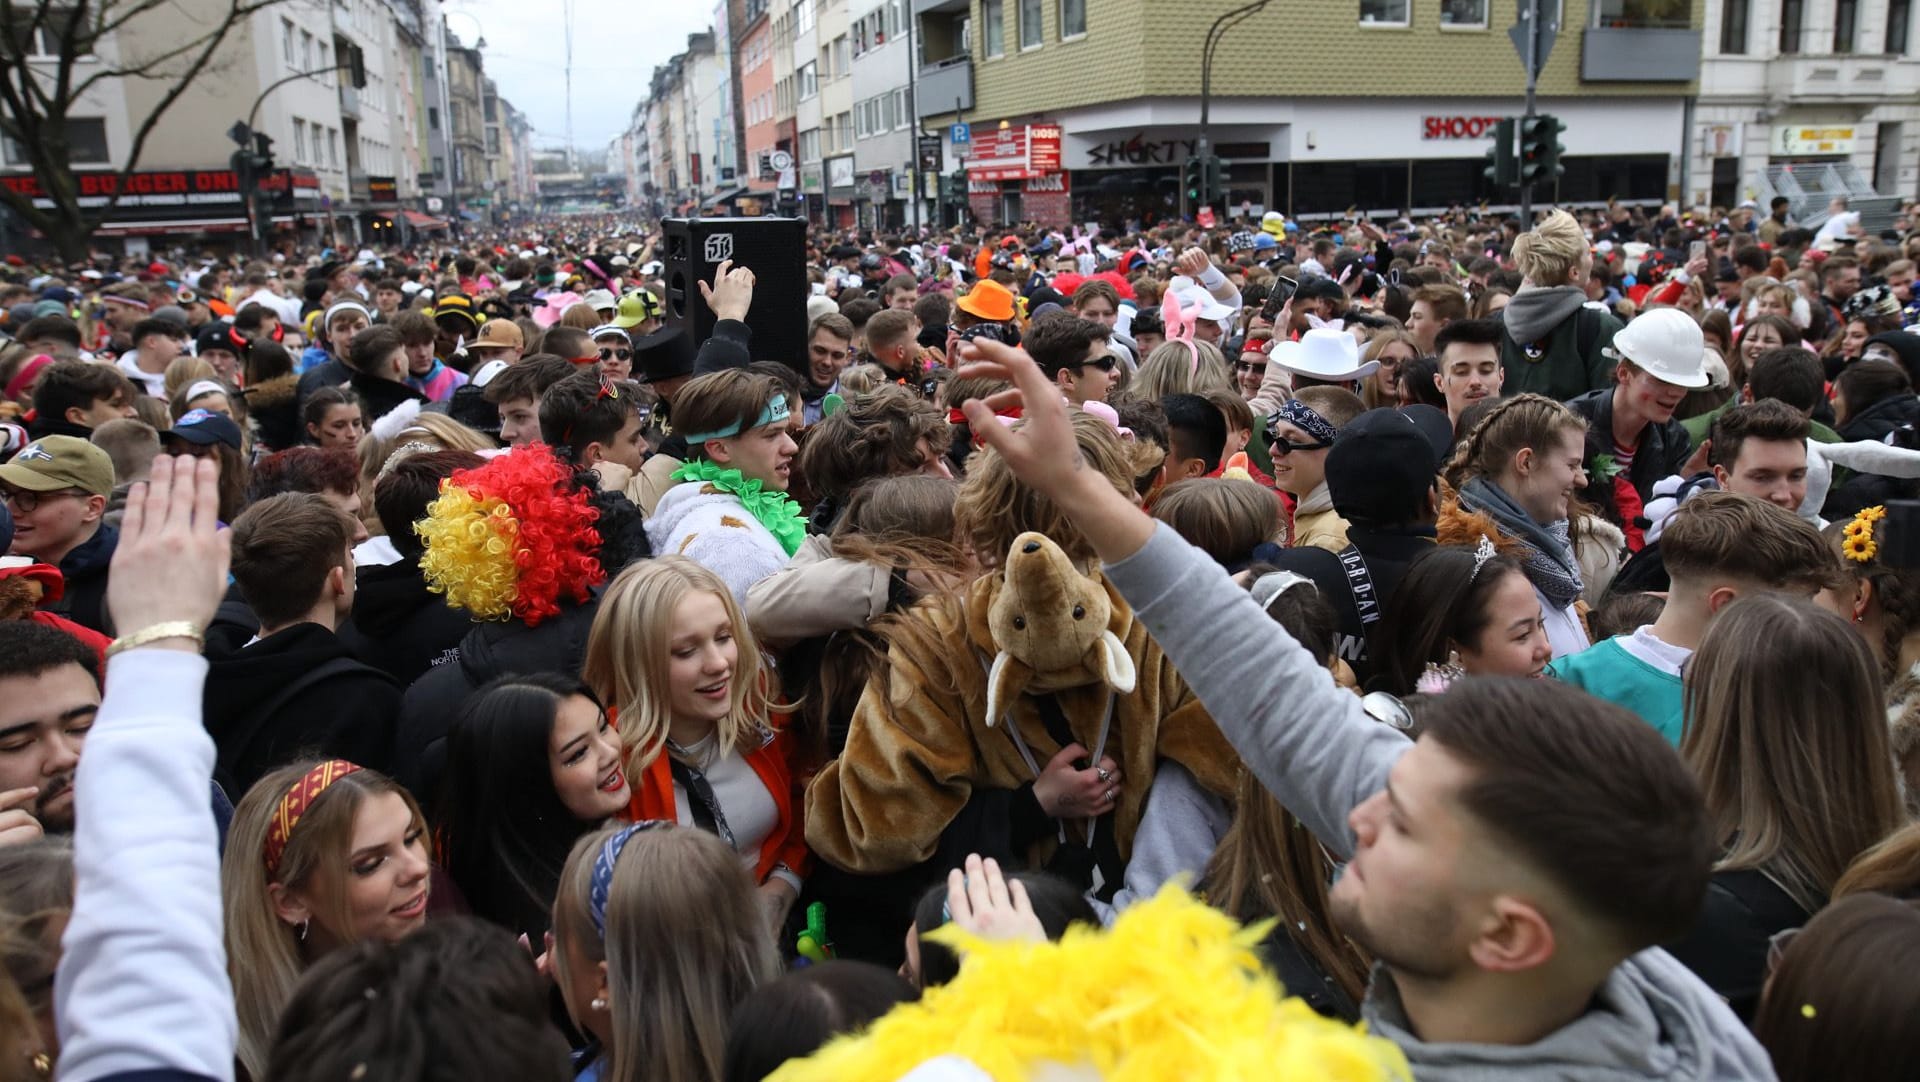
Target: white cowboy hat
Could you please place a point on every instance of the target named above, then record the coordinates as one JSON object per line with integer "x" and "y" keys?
{"x": 1194, "y": 294}
{"x": 1324, "y": 354}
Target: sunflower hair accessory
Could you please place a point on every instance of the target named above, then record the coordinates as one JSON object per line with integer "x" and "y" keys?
{"x": 1857, "y": 543}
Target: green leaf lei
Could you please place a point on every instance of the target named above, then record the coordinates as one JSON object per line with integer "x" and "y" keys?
{"x": 777, "y": 511}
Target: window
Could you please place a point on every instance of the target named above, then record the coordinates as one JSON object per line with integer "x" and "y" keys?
{"x": 1384, "y": 12}
{"x": 306, "y": 51}
{"x": 1733, "y": 27}
{"x": 1899, "y": 18}
{"x": 1846, "y": 24}
{"x": 902, "y": 111}
{"x": 86, "y": 144}
{"x": 433, "y": 117}
{"x": 841, "y": 64}
{"x": 803, "y": 17}
{"x": 439, "y": 167}
{"x": 809, "y": 85}
{"x": 286, "y": 40}
{"x": 1464, "y": 13}
{"x": 1641, "y": 14}
{"x": 326, "y": 65}
{"x": 1073, "y": 19}
{"x": 1030, "y": 24}
{"x": 995, "y": 29}
{"x": 810, "y": 143}
{"x": 300, "y": 141}
{"x": 1792, "y": 14}
{"x": 333, "y": 148}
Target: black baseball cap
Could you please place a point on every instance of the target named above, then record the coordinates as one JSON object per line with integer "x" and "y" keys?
{"x": 1381, "y": 468}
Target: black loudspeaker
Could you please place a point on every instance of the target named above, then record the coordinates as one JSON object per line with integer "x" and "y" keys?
{"x": 773, "y": 248}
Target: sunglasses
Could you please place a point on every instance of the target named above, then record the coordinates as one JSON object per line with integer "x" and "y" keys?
{"x": 1285, "y": 446}
{"x": 1249, "y": 366}
{"x": 1104, "y": 364}
{"x": 621, "y": 354}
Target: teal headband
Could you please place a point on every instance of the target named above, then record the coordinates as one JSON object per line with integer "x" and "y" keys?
{"x": 775, "y": 412}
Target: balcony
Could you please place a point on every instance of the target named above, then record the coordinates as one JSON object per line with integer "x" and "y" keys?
{"x": 923, "y": 7}
{"x": 946, "y": 87}
{"x": 1639, "y": 54}
{"x": 1830, "y": 78}
{"x": 349, "y": 101}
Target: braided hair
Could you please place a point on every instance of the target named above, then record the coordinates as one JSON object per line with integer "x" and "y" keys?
{"x": 1526, "y": 420}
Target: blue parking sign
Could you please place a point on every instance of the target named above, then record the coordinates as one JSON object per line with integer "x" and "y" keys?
{"x": 960, "y": 133}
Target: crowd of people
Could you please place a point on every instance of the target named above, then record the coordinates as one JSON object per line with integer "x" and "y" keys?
{"x": 1456, "y": 649}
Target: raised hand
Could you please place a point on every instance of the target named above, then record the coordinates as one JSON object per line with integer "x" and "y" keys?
{"x": 171, "y": 562}
{"x": 731, "y": 293}
{"x": 981, "y": 901}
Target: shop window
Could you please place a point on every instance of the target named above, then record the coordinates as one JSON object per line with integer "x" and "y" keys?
{"x": 1332, "y": 187}
{"x": 1643, "y": 14}
{"x": 1593, "y": 180}
{"x": 1385, "y": 12}
{"x": 1464, "y": 14}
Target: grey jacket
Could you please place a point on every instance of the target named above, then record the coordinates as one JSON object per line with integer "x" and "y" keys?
{"x": 1313, "y": 746}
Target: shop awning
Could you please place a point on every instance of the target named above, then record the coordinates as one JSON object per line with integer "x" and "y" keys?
{"x": 723, "y": 198}
{"x": 423, "y": 221}
{"x": 468, "y": 216}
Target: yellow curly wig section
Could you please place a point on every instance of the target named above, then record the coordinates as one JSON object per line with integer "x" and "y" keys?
{"x": 1173, "y": 990}
{"x": 470, "y": 543}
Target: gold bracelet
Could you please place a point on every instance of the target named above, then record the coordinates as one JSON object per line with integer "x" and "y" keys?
{"x": 171, "y": 629}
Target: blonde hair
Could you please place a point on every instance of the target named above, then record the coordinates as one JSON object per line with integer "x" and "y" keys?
{"x": 627, "y": 655}
{"x": 1523, "y": 421}
{"x": 1797, "y": 773}
{"x": 1370, "y": 392}
{"x": 1550, "y": 254}
{"x": 994, "y": 506}
{"x": 1170, "y": 369}
{"x": 184, "y": 371}
{"x": 1224, "y": 517}
{"x": 861, "y": 379}
{"x": 686, "y": 941}
{"x": 263, "y": 952}
{"x": 437, "y": 429}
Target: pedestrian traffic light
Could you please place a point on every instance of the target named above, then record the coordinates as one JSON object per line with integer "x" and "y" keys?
{"x": 1540, "y": 148}
{"x": 1500, "y": 170}
{"x": 1193, "y": 178}
{"x": 1215, "y": 188}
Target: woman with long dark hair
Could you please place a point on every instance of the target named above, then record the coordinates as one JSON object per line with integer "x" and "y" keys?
{"x": 532, "y": 764}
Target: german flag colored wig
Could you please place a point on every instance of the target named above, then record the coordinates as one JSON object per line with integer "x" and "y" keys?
{"x": 512, "y": 538}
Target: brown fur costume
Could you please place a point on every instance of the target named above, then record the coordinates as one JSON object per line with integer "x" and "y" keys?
{"x": 923, "y": 737}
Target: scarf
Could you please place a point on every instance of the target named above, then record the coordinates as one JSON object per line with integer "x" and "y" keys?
{"x": 1549, "y": 564}
{"x": 777, "y": 511}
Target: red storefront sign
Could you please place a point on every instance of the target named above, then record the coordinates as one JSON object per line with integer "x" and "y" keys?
{"x": 185, "y": 190}
{"x": 1458, "y": 127}
{"x": 1014, "y": 153}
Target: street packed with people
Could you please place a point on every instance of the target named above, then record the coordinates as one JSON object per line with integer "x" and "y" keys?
{"x": 1442, "y": 649}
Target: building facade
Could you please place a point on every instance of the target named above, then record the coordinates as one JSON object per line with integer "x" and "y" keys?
{"x": 883, "y": 114}
{"x": 1399, "y": 129}
{"x": 1807, "y": 100}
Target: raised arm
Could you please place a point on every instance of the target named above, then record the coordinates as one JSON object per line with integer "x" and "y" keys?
{"x": 1306, "y": 739}
{"x": 142, "y": 985}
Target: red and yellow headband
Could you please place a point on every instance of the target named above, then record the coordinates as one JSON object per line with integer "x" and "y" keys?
{"x": 292, "y": 806}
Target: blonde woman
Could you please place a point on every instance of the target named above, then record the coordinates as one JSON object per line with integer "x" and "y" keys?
{"x": 1797, "y": 775}
{"x": 656, "y": 940}
{"x": 1392, "y": 348}
{"x": 319, "y": 855}
{"x": 1554, "y": 344}
{"x": 1180, "y": 368}
{"x": 674, "y": 660}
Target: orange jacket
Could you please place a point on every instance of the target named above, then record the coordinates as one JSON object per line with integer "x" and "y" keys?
{"x": 785, "y": 844}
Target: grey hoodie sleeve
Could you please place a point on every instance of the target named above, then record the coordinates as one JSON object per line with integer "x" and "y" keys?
{"x": 1307, "y": 740}
{"x": 1178, "y": 833}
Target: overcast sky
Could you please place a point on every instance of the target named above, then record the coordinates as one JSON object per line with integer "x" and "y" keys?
{"x": 616, "y": 44}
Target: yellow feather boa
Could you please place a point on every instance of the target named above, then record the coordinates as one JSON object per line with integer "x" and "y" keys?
{"x": 1173, "y": 990}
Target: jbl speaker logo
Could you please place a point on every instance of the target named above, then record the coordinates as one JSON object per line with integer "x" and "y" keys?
{"x": 719, "y": 247}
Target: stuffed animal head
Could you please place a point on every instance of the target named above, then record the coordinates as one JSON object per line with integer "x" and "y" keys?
{"x": 1049, "y": 623}
{"x": 26, "y": 585}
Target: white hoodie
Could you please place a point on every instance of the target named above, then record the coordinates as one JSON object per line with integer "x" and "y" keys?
{"x": 696, "y": 520}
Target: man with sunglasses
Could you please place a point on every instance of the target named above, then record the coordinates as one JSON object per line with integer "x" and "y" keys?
{"x": 1074, "y": 353}
{"x": 615, "y": 349}
{"x": 57, "y": 489}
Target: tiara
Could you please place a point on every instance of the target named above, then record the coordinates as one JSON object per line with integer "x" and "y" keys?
{"x": 1481, "y": 554}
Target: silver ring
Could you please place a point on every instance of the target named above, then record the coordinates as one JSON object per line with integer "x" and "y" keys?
{"x": 1103, "y": 774}
{"x": 1110, "y": 793}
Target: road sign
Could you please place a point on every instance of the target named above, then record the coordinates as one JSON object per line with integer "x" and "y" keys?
{"x": 1548, "y": 17}
{"x": 960, "y": 133}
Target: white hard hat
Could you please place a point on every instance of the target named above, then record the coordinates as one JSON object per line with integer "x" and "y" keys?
{"x": 1668, "y": 344}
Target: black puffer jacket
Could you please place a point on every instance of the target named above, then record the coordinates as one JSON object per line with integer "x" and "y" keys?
{"x": 1662, "y": 452}
{"x": 1875, "y": 423}
{"x": 488, "y": 651}
{"x": 400, "y": 627}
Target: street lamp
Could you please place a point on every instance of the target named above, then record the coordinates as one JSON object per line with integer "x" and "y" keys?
{"x": 1215, "y": 35}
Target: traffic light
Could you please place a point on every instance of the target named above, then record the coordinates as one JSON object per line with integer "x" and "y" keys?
{"x": 1540, "y": 148}
{"x": 1193, "y": 177}
{"x": 959, "y": 189}
{"x": 1215, "y": 188}
{"x": 1500, "y": 170}
{"x": 262, "y": 156}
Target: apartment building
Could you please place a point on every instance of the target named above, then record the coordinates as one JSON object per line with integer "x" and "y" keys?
{"x": 1809, "y": 99}
{"x": 1076, "y": 112}
{"x": 883, "y": 122}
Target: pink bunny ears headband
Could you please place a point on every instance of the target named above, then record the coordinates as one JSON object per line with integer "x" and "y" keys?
{"x": 1180, "y": 323}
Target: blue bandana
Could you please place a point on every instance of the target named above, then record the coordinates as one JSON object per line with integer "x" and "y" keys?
{"x": 775, "y": 412}
{"x": 601, "y": 884}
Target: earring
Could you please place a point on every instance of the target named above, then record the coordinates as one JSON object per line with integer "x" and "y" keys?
{"x": 303, "y": 931}
{"x": 598, "y": 1004}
